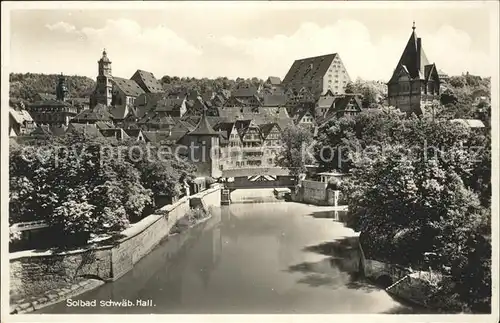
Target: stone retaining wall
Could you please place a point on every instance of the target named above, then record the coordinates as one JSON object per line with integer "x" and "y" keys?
{"x": 32, "y": 272}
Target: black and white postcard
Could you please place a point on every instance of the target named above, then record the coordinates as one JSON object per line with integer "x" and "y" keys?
{"x": 299, "y": 161}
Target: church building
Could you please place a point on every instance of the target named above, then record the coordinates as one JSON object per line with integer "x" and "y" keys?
{"x": 414, "y": 85}
{"x": 119, "y": 93}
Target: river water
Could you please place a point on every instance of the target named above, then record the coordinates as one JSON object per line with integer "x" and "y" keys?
{"x": 264, "y": 257}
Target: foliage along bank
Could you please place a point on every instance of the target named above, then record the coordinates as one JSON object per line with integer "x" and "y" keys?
{"x": 72, "y": 184}
{"x": 420, "y": 194}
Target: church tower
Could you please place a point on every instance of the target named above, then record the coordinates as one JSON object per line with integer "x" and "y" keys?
{"x": 414, "y": 85}
{"x": 104, "y": 88}
{"x": 62, "y": 93}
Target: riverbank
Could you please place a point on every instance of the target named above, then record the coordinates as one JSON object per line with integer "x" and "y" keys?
{"x": 271, "y": 258}
{"x": 54, "y": 296}
{"x": 37, "y": 274}
{"x": 82, "y": 285}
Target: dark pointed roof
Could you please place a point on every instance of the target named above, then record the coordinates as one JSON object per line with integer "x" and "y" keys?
{"x": 413, "y": 58}
{"x": 266, "y": 128}
{"x": 204, "y": 128}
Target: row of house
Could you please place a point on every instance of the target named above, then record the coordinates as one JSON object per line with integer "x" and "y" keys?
{"x": 307, "y": 92}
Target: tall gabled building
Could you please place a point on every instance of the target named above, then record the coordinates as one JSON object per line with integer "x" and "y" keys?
{"x": 415, "y": 82}
{"x": 147, "y": 82}
{"x": 318, "y": 74}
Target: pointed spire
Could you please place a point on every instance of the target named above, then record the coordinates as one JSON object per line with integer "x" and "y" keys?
{"x": 204, "y": 128}
{"x": 413, "y": 27}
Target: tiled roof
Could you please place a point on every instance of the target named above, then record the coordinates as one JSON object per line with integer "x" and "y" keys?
{"x": 129, "y": 87}
{"x": 203, "y": 128}
{"x": 50, "y": 102}
{"x": 339, "y": 105}
{"x": 149, "y": 99}
{"x": 158, "y": 136}
{"x": 117, "y": 133}
{"x": 46, "y": 96}
{"x": 102, "y": 125}
{"x": 274, "y": 100}
{"x": 133, "y": 133}
{"x": 20, "y": 115}
{"x": 87, "y": 129}
{"x": 224, "y": 126}
{"x": 245, "y": 92}
{"x": 302, "y": 112}
{"x": 160, "y": 118}
{"x": 147, "y": 81}
{"x": 325, "y": 101}
{"x": 168, "y": 104}
{"x": 119, "y": 112}
{"x": 341, "y": 102}
{"x": 309, "y": 68}
{"x": 274, "y": 80}
{"x": 98, "y": 113}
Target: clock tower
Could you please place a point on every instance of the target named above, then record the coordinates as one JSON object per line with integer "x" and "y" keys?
{"x": 104, "y": 88}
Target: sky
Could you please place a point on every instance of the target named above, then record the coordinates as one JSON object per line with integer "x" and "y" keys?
{"x": 247, "y": 39}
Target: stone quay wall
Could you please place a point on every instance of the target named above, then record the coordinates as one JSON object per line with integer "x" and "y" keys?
{"x": 314, "y": 192}
{"x": 33, "y": 272}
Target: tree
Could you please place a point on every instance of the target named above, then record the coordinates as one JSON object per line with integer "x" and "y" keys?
{"x": 457, "y": 81}
{"x": 26, "y": 86}
{"x": 407, "y": 202}
{"x": 340, "y": 139}
{"x": 294, "y": 155}
{"x": 448, "y": 97}
{"x": 350, "y": 88}
{"x": 69, "y": 182}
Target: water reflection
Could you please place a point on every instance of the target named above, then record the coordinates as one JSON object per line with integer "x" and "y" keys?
{"x": 249, "y": 258}
{"x": 336, "y": 215}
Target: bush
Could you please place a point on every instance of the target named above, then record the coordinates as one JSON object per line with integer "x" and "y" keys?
{"x": 190, "y": 219}
{"x": 78, "y": 190}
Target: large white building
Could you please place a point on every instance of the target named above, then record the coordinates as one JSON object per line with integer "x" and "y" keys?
{"x": 318, "y": 75}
